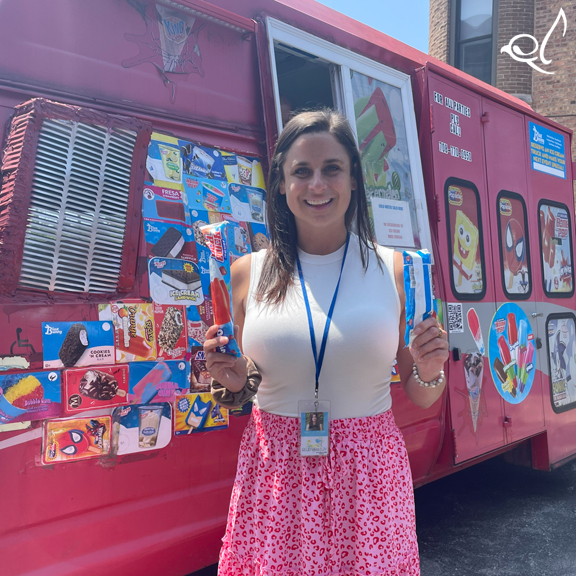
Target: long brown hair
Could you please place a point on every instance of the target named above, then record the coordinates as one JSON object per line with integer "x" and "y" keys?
{"x": 280, "y": 262}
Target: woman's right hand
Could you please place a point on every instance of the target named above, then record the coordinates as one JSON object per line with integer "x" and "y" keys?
{"x": 230, "y": 371}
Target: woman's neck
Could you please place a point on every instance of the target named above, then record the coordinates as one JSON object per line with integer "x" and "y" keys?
{"x": 320, "y": 244}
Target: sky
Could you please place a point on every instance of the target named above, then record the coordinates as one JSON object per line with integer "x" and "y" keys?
{"x": 405, "y": 20}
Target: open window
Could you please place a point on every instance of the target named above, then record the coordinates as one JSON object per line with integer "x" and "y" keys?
{"x": 70, "y": 199}
{"x": 309, "y": 72}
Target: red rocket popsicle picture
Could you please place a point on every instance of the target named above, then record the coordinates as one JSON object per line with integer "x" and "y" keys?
{"x": 216, "y": 235}
{"x": 474, "y": 325}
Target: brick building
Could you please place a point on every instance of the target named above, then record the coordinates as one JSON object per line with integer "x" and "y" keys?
{"x": 470, "y": 34}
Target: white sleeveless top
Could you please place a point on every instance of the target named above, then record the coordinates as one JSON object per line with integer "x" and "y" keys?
{"x": 362, "y": 341}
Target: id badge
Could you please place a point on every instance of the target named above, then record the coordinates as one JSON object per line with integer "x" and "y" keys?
{"x": 314, "y": 427}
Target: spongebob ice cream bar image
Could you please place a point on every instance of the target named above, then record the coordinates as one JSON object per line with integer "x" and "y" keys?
{"x": 465, "y": 248}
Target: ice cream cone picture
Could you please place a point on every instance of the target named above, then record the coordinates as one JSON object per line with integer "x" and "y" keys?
{"x": 474, "y": 371}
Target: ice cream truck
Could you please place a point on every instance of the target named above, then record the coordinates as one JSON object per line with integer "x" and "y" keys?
{"x": 126, "y": 126}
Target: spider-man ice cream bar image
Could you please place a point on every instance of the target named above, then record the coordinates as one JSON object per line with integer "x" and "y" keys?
{"x": 76, "y": 439}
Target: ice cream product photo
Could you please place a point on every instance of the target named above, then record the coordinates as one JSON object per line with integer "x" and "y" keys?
{"x": 141, "y": 427}
{"x": 511, "y": 353}
{"x": 30, "y": 396}
{"x": 176, "y": 282}
{"x": 216, "y": 238}
{"x": 66, "y": 440}
{"x": 68, "y": 344}
{"x": 92, "y": 388}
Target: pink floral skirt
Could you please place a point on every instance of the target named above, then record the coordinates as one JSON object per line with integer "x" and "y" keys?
{"x": 348, "y": 514}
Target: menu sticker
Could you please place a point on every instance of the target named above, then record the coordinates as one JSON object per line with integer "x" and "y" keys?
{"x": 248, "y": 203}
{"x": 198, "y": 413}
{"x": 175, "y": 282}
{"x": 141, "y": 427}
{"x": 165, "y": 205}
{"x": 170, "y": 323}
{"x": 29, "y": 396}
{"x": 202, "y": 161}
{"x": 204, "y": 194}
{"x": 73, "y": 439}
{"x": 94, "y": 388}
{"x": 158, "y": 381}
{"x": 85, "y": 343}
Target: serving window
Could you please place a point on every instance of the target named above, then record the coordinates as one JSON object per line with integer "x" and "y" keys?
{"x": 514, "y": 245}
{"x": 465, "y": 239}
{"x": 310, "y": 73}
{"x": 556, "y": 249}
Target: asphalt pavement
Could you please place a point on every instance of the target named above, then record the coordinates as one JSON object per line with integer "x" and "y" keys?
{"x": 496, "y": 519}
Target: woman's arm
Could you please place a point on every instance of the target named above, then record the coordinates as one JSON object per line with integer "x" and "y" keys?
{"x": 230, "y": 371}
{"x": 429, "y": 350}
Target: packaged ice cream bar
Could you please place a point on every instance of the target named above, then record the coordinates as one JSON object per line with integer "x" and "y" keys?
{"x": 215, "y": 236}
{"x": 420, "y": 302}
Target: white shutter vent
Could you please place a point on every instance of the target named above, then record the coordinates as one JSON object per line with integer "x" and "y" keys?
{"x": 78, "y": 207}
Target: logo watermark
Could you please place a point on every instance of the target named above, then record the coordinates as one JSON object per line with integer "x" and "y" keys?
{"x": 517, "y": 54}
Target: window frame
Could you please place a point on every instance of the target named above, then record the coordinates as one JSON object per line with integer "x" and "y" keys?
{"x": 514, "y": 196}
{"x": 454, "y": 41}
{"x": 557, "y": 316}
{"x": 15, "y": 193}
{"x": 347, "y": 60}
{"x": 564, "y": 207}
{"x": 457, "y": 295}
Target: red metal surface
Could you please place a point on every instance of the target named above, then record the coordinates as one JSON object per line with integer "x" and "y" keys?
{"x": 164, "y": 513}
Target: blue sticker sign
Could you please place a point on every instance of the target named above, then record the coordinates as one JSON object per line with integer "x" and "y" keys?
{"x": 547, "y": 151}
{"x": 511, "y": 352}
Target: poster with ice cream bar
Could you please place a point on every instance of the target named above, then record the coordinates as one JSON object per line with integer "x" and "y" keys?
{"x": 514, "y": 244}
{"x": 562, "y": 361}
{"x": 85, "y": 343}
{"x": 71, "y": 439}
{"x": 141, "y": 428}
{"x": 169, "y": 240}
{"x": 175, "y": 282}
{"x": 95, "y": 388}
{"x": 165, "y": 205}
{"x": 29, "y": 396}
{"x": 171, "y": 337}
{"x": 158, "y": 381}
{"x": 248, "y": 203}
{"x": 465, "y": 240}
{"x": 243, "y": 170}
{"x": 556, "y": 247}
{"x": 512, "y": 353}
{"x": 164, "y": 161}
{"x": 198, "y": 413}
{"x": 133, "y": 329}
{"x": 202, "y": 161}
{"x": 204, "y": 194}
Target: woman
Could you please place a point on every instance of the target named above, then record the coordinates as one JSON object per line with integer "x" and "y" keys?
{"x": 350, "y": 512}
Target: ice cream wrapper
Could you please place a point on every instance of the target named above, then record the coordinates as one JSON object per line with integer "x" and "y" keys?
{"x": 420, "y": 302}
{"x": 216, "y": 238}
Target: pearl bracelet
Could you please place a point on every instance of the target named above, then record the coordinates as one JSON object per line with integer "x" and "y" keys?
{"x": 433, "y": 383}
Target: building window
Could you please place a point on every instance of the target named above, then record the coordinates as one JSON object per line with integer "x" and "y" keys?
{"x": 473, "y": 38}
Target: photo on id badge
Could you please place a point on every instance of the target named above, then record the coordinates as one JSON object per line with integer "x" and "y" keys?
{"x": 314, "y": 427}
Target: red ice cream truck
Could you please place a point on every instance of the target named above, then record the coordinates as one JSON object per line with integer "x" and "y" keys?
{"x": 126, "y": 125}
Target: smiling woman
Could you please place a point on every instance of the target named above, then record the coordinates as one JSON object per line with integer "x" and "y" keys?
{"x": 322, "y": 275}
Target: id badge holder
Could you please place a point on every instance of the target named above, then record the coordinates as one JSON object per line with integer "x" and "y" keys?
{"x": 314, "y": 427}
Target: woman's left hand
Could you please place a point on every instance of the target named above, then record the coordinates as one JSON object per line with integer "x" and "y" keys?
{"x": 429, "y": 349}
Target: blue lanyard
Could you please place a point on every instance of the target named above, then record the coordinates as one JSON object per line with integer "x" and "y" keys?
{"x": 318, "y": 360}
